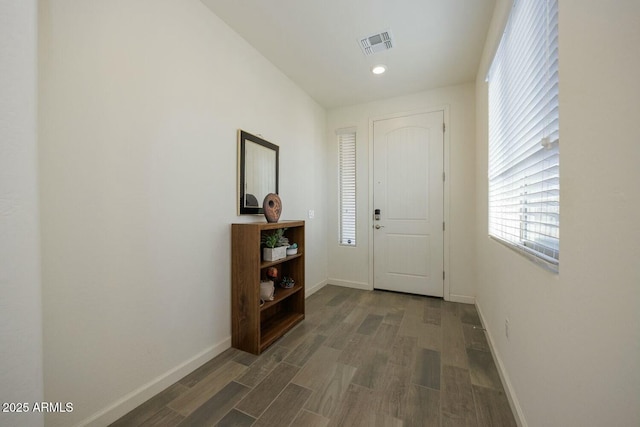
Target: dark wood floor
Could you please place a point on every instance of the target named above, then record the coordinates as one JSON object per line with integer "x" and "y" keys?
{"x": 360, "y": 358}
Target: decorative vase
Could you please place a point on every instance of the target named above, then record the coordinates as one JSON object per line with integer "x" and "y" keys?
{"x": 266, "y": 290}
{"x": 272, "y": 207}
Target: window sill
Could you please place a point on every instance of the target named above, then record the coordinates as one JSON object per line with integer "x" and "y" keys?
{"x": 549, "y": 266}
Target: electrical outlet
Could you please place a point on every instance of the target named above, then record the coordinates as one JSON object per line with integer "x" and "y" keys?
{"x": 506, "y": 328}
{"x": 312, "y": 213}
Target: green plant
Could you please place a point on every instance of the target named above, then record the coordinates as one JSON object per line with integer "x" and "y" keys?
{"x": 275, "y": 239}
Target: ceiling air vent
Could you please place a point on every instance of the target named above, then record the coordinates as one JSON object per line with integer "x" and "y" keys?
{"x": 375, "y": 43}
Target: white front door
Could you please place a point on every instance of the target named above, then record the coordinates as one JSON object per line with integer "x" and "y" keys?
{"x": 408, "y": 239}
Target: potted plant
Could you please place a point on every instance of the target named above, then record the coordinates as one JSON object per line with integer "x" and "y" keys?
{"x": 275, "y": 245}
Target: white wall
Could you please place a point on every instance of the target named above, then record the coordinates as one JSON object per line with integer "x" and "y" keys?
{"x": 349, "y": 266}
{"x": 140, "y": 104}
{"x": 573, "y": 358}
{"x": 20, "y": 298}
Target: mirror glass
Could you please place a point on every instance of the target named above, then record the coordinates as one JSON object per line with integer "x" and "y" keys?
{"x": 258, "y": 172}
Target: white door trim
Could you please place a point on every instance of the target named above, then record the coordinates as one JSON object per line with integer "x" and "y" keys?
{"x": 447, "y": 152}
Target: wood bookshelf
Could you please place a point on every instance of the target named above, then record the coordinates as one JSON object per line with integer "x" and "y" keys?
{"x": 254, "y": 328}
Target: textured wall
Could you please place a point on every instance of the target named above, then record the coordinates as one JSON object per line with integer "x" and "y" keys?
{"x": 140, "y": 105}
{"x": 20, "y": 304}
{"x": 573, "y": 356}
{"x": 461, "y": 230}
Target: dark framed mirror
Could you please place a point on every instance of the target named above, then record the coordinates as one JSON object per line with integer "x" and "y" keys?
{"x": 258, "y": 172}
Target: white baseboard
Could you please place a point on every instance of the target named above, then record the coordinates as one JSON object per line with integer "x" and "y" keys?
{"x": 461, "y": 298}
{"x": 350, "y": 284}
{"x": 134, "y": 399}
{"x": 504, "y": 377}
{"x": 308, "y": 291}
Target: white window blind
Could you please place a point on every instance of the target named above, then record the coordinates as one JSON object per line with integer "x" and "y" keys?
{"x": 347, "y": 149}
{"x": 524, "y": 156}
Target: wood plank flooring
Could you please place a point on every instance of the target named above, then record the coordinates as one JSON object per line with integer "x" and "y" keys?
{"x": 359, "y": 358}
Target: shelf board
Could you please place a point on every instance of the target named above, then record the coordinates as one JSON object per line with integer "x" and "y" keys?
{"x": 280, "y": 224}
{"x": 266, "y": 264}
{"x": 276, "y": 326}
{"x": 281, "y": 293}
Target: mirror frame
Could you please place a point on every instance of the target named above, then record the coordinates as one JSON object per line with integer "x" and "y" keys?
{"x": 243, "y": 137}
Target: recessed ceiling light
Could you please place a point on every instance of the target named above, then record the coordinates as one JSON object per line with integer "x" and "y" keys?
{"x": 378, "y": 69}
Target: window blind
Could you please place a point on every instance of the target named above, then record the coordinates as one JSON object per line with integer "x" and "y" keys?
{"x": 347, "y": 150}
{"x": 524, "y": 155}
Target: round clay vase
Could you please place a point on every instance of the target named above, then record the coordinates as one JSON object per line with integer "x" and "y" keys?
{"x": 272, "y": 207}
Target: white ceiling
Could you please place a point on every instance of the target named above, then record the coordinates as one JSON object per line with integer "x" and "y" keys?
{"x": 316, "y": 43}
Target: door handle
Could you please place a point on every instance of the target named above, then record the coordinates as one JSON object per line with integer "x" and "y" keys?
{"x": 378, "y": 226}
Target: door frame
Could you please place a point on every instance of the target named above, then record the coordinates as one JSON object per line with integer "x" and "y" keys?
{"x": 445, "y": 250}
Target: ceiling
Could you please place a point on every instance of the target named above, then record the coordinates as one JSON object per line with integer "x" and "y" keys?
{"x": 316, "y": 43}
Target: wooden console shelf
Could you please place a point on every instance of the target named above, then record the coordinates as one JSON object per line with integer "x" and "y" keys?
{"x": 254, "y": 328}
